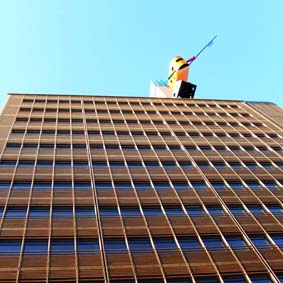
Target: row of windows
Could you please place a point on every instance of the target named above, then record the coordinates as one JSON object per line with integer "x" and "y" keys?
{"x": 156, "y": 147}
{"x": 130, "y": 102}
{"x": 107, "y": 133}
{"x": 139, "y": 186}
{"x": 135, "y": 211}
{"x": 128, "y": 121}
{"x": 141, "y": 244}
{"x": 149, "y": 164}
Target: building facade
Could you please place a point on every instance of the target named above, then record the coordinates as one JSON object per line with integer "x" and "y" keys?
{"x": 140, "y": 190}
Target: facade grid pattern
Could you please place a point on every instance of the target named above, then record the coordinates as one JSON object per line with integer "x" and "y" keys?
{"x": 124, "y": 189}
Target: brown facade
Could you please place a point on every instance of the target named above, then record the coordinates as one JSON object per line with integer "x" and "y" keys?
{"x": 125, "y": 189}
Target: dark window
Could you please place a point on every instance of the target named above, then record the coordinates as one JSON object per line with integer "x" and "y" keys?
{"x": 199, "y": 186}
{"x": 82, "y": 186}
{"x": 21, "y": 185}
{"x": 44, "y": 163}
{"x": 275, "y": 209}
{"x": 256, "y": 209}
{"x": 10, "y": 247}
{"x": 100, "y": 185}
{"x": 216, "y": 210}
{"x": 237, "y": 210}
{"x": 41, "y": 185}
{"x": 174, "y": 210}
{"x": 235, "y": 165}
{"x": 253, "y": 185}
{"x": 189, "y": 243}
{"x": 7, "y": 163}
{"x": 260, "y": 278}
{"x": 16, "y": 212}
{"x": 85, "y": 211}
{"x": 236, "y": 185}
{"x": 180, "y": 186}
{"x": 219, "y": 165}
{"x": 109, "y": 211}
{"x": 117, "y": 164}
{"x": 80, "y": 163}
{"x": 152, "y": 164}
{"x": 270, "y": 185}
{"x": 260, "y": 242}
{"x": 62, "y": 212}
{"x": 213, "y": 243}
{"x": 278, "y": 239}
{"x": 162, "y": 244}
{"x": 59, "y": 185}
{"x": 87, "y": 246}
{"x": 236, "y": 242}
{"x": 218, "y": 186}
{"x": 62, "y": 247}
{"x": 139, "y": 244}
{"x": 130, "y": 211}
{"x": 114, "y": 245}
{"x": 134, "y": 164}
{"x": 251, "y": 165}
{"x": 62, "y": 164}
{"x": 185, "y": 164}
{"x": 4, "y": 185}
{"x": 35, "y": 247}
{"x": 152, "y": 211}
{"x": 39, "y": 212}
{"x": 234, "y": 279}
{"x": 142, "y": 186}
{"x": 161, "y": 185}
{"x": 195, "y": 210}
{"x": 123, "y": 186}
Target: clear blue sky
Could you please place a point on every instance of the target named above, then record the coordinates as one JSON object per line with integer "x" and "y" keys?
{"x": 115, "y": 47}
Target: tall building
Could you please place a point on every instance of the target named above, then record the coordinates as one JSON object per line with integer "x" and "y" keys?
{"x": 140, "y": 190}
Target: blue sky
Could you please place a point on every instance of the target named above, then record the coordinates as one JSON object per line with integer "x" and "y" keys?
{"x": 115, "y": 47}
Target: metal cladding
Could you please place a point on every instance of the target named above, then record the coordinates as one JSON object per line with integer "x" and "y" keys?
{"x": 140, "y": 190}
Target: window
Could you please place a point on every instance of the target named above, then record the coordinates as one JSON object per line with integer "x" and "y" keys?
{"x": 152, "y": 211}
{"x": 4, "y": 185}
{"x": 189, "y": 243}
{"x": 195, "y": 210}
{"x": 152, "y": 164}
{"x": 62, "y": 247}
{"x": 81, "y": 186}
{"x": 139, "y": 244}
{"x": 185, "y": 164}
{"x": 161, "y": 185}
{"x": 175, "y": 210}
{"x": 115, "y": 245}
{"x": 180, "y": 186}
{"x": 41, "y": 185}
{"x": 178, "y": 280}
{"x": 7, "y": 163}
{"x": 256, "y": 209}
{"x": 251, "y": 165}
{"x": 101, "y": 186}
{"x": 237, "y": 210}
{"x": 141, "y": 186}
{"x": 260, "y": 278}
{"x": 162, "y": 244}
{"x": 21, "y": 185}
{"x": 199, "y": 186}
{"x": 234, "y": 279}
{"x": 85, "y": 212}
{"x": 236, "y": 242}
{"x": 87, "y": 246}
{"x": 275, "y": 209}
{"x": 10, "y": 247}
{"x": 235, "y": 185}
{"x": 110, "y": 211}
{"x": 253, "y": 185}
{"x": 80, "y": 163}
{"x": 123, "y": 186}
{"x": 35, "y": 247}
{"x": 39, "y": 212}
{"x": 16, "y": 212}
{"x": 203, "y": 165}
{"x": 216, "y": 210}
{"x": 278, "y": 239}
{"x": 219, "y": 165}
{"x": 130, "y": 211}
{"x": 210, "y": 279}
{"x": 62, "y": 212}
{"x": 134, "y": 164}
{"x": 44, "y": 163}
{"x": 270, "y": 185}
{"x": 213, "y": 243}
{"x": 218, "y": 186}
{"x": 58, "y": 185}
{"x": 260, "y": 242}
